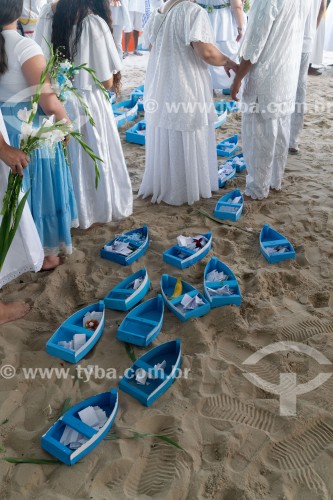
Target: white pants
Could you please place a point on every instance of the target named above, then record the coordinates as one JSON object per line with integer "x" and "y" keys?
{"x": 265, "y": 148}
{"x": 297, "y": 118}
{"x": 136, "y": 20}
{"x": 118, "y": 39}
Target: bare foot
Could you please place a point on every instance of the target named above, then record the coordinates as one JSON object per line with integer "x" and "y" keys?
{"x": 276, "y": 190}
{"x": 50, "y": 263}
{"x": 13, "y": 311}
{"x": 248, "y": 198}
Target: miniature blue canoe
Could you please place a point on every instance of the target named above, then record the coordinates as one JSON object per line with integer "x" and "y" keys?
{"x": 137, "y": 133}
{"x": 230, "y": 281}
{"x": 50, "y": 441}
{"x": 123, "y": 297}
{"x": 113, "y": 97}
{"x": 225, "y": 177}
{"x": 137, "y": 241}
{"x": 168, "y": 284}
{"x": 228, "y": 147}
{"x": 159, "y": 379}
{"x": 137, "y": 96}
{"x": 274, "y": 246}
{"x": 124, "y": 112}
{"x": 222, "y": 112}
{"x": 226, "y": 91}
{"x": 232, "y": 106}
{"x": 230, "y": 207}
{"x": 142, "y": 325}
{"x": 72, "y": 326}
{"x": 239, "y": 167}
{"x": 183, "y": 257}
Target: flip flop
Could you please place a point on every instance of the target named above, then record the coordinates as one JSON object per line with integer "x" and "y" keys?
{"x": 294, "y": 151}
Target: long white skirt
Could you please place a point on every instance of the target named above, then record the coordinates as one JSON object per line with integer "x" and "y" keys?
{"x": 181, "y": 167}
{"x": 113, "y": 199}
{"x": 26, "y": 252}
{"x": 220, "y": 79}
{"x": 317, "y": 55}
{"x": 329, "y": 29}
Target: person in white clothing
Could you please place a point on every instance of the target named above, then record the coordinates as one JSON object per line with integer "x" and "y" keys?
{"x": 270, "y": 63}
{"x": 26, "y": 252}
{"x": 91, "y": 42}
{"x": 317, "y": 54}
{"x": 137, "y": 9}
{"x": 228, "y": 23}
{"x": 181, "y": 163}
{"x": 120, "y": 21}
{"x": 30, "y": 15}
{"x": 329, "y": 28}
{"x": 297, "y": 118}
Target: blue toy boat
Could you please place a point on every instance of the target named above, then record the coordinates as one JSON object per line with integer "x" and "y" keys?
{"x": 222, "y": 112}
{"x": 168, "y": 286}
{"x": 134, "y": 243}
{"x": 137, "y": 133}
{"x": 232, "y": 106}
{"x": 226, "y": 172}
{"x": 230, "y": 206}
{"x": 239, "y": 163}
{"x": 137, "y": 97}
{"x": 228, "y": 147}
{"x": 74, "y": 346}
{"x": 71, "y": 423}
{"x": 124, "y": 112}
{"x": 113, "y": 97}
{"x": 213, "y": 290}
{"x": 183, "y": 257}
{"x": 142, "y": 325}
{"x": 129, "y": 292}
{"x": 275, "y": 247}
{"x": 226, "y": 91}
{"x": 151, "y": 375}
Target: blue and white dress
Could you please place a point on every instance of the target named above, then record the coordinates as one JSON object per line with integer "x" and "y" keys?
{"x": 51, "y": 197}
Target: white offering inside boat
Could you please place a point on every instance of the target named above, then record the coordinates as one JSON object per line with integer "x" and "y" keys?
{"x": 193, "y": 243}
{"x": 226, "y": 170}
{"x": 142, "y": 375}
{"x": 93, "y": 416}
{"x": 216, "y": 276}
{"x": 237, "y": 199}
{"x": 239, "y": 161}
{"x": 138, "y": 237}
{"x": 277, "y": 249}
{"x": 224, "y": 290}
{"x": 141, "y": 132}
{"x": 94, "y": 318}
{"x": 119, "y": 247}
{"x": 190, "y": 303}
{"x": 136, "y": 283}
{"x": 78, "y": 341}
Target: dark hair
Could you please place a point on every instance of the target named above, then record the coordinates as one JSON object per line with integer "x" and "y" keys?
{"x": 70, "y": 13}
{"x": 10, "y": 11}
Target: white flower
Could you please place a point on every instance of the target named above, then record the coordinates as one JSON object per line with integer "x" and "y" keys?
{"x": 34, "y": 108}
{"x": 24, "y": 115}
{"x": 48, "y": 122}
{"x": 66, "y": 65}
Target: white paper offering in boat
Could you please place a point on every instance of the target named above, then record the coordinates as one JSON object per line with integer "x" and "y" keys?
{"x": 239, "y": 161}
{"x": 76, "y": 343}
{"x": 141, "y": 132}
{"x": 215, "y": 276}
{"x": 142, "y": 375}
{"x": 189, "y": 303}
{"x": 136, "y": 283}
{"x": 138, "y": 237}
{"x": 224, "y": 290}
{"x": 119, "y": 247}
{"x": 237, "y": 199}
{"x": 225, "y": 171}
{"x": 229, "y": 209}
{"x": 277, "y": 249}
{"x": 93, "y": 416}
{"x": 93, "y": 318}
{"x": 192, "y": 242}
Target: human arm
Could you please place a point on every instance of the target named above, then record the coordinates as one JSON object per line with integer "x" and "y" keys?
{"x": 209, "y": 53}
{"x": 16, "y": 160}
{"x": 50, "y": 104}
{"x": 237, "y": 8}
{"x": 243, "y": 69}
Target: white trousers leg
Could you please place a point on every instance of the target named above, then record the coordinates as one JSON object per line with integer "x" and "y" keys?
{"x": 118, "y": 39}
{"x": 297, "y": 118}
{"x": 265, "y": 148}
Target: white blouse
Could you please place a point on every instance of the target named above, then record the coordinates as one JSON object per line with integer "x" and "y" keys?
{"x": 273, "y": 43}
{"x": 96, "y": 48}
{"x": 13, "y": 85}
{"x": 176, "y": 76}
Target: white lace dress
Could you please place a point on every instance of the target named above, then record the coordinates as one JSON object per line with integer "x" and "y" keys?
{"x": 181, "y": 162}
{"x": 26, "y": 252}
{"x": 329, "y": 29}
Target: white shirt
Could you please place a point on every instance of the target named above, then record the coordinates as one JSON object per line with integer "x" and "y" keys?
{"x": 13, "y": 85}
{"x": 137, "y": 6}
{"x": 32, "y": 8}
{"x": 175, "y": 74}
{"x": 273, "y": 43}
{"x": 311, "y": 27}
{"x": 96, "y": 48}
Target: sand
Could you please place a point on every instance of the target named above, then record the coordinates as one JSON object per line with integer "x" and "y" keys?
{"x": 237, "y": 446}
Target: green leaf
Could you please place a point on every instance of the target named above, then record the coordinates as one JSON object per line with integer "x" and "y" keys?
{"x": 113, "y": 436}
{"x": 67, "y": 406}
{"x": 5, "y": 421}
{"x": 130, "y": 352}
{"x": 37, "y": 461}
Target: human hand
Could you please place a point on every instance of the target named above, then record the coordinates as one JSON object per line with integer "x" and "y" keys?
{"x": 235, "y": 88}
{"x": 231, "y": 66}
{"x": 16, "y": 160}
